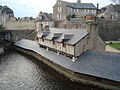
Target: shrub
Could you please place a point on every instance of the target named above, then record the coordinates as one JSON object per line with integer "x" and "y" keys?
{"x": 2, "y": 27}
{"x": 110, "y": 42}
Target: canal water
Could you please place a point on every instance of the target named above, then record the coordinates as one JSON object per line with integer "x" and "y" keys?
{"x": 22, "y": 72}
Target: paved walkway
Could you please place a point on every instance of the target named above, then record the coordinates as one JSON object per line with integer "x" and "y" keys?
{"x": 112, "y": 41}
{"x": 111, "y": 49}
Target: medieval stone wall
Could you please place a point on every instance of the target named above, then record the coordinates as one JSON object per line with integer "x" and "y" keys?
{"x": 20, "y": 25}
{"x": 109, "y": 30}
{"x": 72, "y": 23}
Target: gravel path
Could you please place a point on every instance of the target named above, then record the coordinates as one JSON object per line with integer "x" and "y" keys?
{"x": 109, "y": 48}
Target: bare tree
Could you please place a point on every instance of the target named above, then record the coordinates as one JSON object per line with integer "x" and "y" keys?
{"x": 116, "y": 1}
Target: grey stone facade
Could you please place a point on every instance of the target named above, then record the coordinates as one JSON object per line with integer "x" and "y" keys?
{"x": 43, "y": 20}
{"x": 3, "y": 19}
{"x": 62, "y": 9}
{"x": 110, "y": 12}
{"x": 5, "y": 14}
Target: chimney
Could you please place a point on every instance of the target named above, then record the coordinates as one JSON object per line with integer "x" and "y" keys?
{"x": 78, "y": 1}
{"x": 97, "y": 8}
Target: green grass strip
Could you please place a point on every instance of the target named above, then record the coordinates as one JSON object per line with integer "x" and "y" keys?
{"x": 115, "y": 45}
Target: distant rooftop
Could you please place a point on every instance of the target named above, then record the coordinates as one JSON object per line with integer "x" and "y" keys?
{"x": 80, "y": 5}
{"x": 43, "y": 17}
{"x": 6, "y": 10}
{"x": 116, "y": 8}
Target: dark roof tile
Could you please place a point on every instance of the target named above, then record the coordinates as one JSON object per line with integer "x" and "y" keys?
{"x": 80, "y": 5}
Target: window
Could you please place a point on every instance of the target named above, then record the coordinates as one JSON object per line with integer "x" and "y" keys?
{"x": 77, "y": 10}
{"x": 59, "y": 9}
{"x": 93, "y": 11}
{"x": 53, "y": 42}
{"x": 86, "y": 10}
{"x": 74, "y": 10}
{"x": 64, "y": 44}
{"x": 42, "y": 39}
{"x": 59, "y": 2}
{"x": 90, "y": 11}
{"x": 41, "y": 25}
{"x": 58, "y": 16}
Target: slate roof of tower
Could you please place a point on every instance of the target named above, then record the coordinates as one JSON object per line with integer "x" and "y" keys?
{"x": 44, "y": 17}
{"x": 80, "y": 5}
{"x": 74, "y": 35}
{"x": 6, "y": 10}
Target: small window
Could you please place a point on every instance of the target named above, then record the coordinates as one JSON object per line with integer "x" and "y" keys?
{"x": 74, "y": 10}
{"x": 42, "y": 39}
{"x": 77, "y": 10}
{"x": 64, "y": 44}
{"x": 59, "y": 9}
{"x": 58, "y": 16}
{"x": 59, "y": 2}
{"x": 86, "y": 10}
{"x": 53, "y": 42}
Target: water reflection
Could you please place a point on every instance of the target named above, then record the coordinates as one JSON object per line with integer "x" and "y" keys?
{"x": 21, "y": 72}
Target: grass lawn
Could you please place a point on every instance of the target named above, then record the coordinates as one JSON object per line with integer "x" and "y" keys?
{"x": 115, "y": 45}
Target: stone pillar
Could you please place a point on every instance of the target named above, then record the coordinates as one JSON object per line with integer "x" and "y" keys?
{"x": 74, "y": 59}
{"x": 58, "y": 53}
{"x": 47, "y": 49}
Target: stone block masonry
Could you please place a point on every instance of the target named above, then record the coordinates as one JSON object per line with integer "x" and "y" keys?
{"x": 20, "y": 25}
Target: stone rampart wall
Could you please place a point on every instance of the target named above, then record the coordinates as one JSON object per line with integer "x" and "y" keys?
{"x": 20, "y": 25}
{"x": 72, "y": 23}
{"x": 109, "y": 30}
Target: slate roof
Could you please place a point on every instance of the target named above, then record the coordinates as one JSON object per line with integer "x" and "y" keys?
{"x": 93, "y": 63}
{"x": 6, "y": 10}
{"x": 56, "y": 35}
{"x": 67, "y": 36}
{"x": 44, "y": 17}
{"x": 74, "y": 35}
{"x": 80, "y": 5}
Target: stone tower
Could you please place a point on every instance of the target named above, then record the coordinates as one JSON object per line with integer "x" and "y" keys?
{"x": 78, "y": 1}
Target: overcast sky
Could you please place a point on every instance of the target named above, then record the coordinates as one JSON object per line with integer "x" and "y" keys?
{"x": 23, "y": 8}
